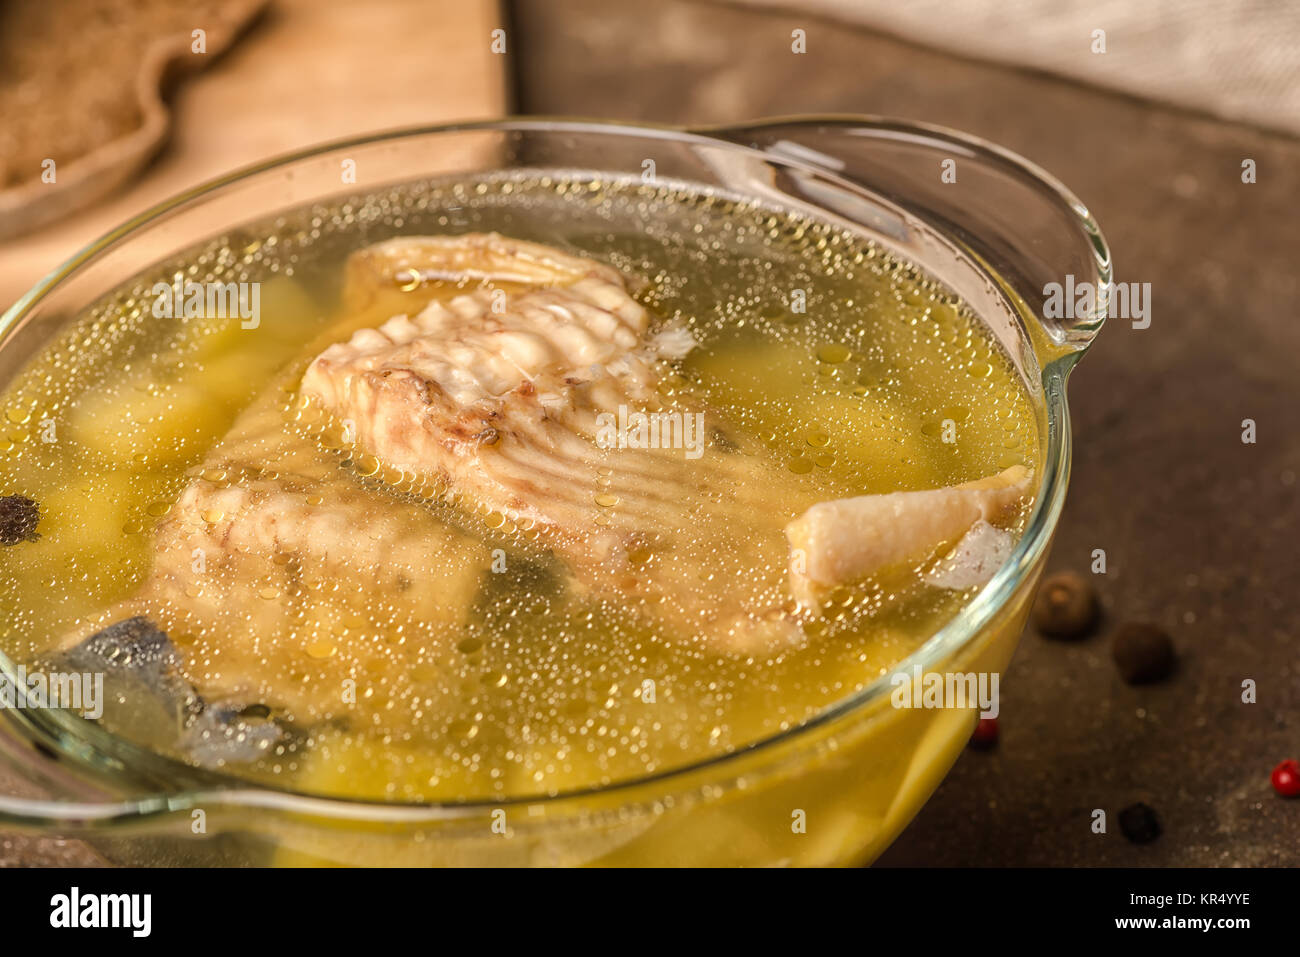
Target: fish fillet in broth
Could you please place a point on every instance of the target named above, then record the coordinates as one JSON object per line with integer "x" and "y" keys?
{"x": 505, "y": 396}
{"x": 266, "y": 569}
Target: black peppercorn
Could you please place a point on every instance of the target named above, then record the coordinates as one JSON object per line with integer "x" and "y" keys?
{"x": 1139, "y": 823}
{"x": 1066, "y": 606}
{"x": 1143, "y": 653}
{"x": 19, "y": 517}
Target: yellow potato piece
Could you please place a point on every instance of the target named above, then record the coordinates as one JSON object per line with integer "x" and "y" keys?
{"x": 150, "y": 423}
{"x": 171, "y": 408}
{"x": 876, "y": 445}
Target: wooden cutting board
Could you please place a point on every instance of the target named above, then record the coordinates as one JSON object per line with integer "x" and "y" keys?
{"x": 309, "y": 71}
{"x": 306, "y": 72}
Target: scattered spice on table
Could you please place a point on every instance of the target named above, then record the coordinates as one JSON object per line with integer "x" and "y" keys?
{"x": 1286, "y": 778}
{"x": 1066, "y": 607}
{"x": 985, "y": 735}
{"x": 1143, "y": 653}
{"x": 1139, "y": 823}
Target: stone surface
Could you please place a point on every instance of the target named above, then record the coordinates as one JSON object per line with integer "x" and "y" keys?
{"x": 1198, "y": 528}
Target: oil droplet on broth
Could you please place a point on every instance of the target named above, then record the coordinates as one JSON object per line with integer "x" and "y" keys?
{"x": 834, "y": 353}
{"x": 838, "y": 394}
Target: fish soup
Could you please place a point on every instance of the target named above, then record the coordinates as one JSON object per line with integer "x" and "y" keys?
{"x": 504, "y": 488}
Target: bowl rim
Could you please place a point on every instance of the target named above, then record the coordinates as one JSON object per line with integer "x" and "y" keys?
{"x": 947, "y": 641}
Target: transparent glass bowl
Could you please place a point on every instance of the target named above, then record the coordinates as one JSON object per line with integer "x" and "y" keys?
{"x": 992, "y": 226}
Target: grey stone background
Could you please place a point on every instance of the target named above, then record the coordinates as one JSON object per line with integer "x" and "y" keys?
{"x": 1200, "y": 530}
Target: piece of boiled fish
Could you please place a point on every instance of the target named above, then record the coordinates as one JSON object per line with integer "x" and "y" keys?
{"x": 500, "y": 394}
{"x": 842, "y": 541}
{"x": 263, "y": 586}
{"x": 506, "y": 395}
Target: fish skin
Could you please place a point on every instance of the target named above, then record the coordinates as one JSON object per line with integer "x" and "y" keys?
{"x": 135, "y": 650}
{"x": 137, "y": 658}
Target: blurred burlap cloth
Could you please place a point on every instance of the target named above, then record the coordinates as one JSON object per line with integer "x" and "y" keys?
{"x": 1236, "y": 59}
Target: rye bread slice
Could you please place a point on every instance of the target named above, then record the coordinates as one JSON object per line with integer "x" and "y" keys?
{"x": 82, "y": 83}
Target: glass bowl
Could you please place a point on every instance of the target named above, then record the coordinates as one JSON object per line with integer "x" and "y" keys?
{"x": 834, "y": 790}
